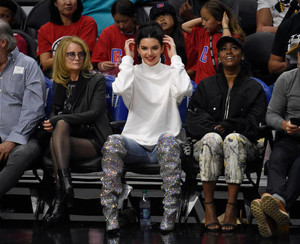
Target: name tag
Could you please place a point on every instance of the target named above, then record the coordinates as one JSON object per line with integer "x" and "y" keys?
{"x": 18, "y": 70}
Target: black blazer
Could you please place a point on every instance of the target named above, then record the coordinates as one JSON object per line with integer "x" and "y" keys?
{"x": 247, "y": 107}
{"x": 91, "y": 110}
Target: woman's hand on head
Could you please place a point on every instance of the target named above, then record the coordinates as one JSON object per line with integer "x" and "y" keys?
{"x": 129, "y": 47}
{"x": 225, "y": 20}
{"x": 170, "y": 46}
{"x": 47, "y": 126}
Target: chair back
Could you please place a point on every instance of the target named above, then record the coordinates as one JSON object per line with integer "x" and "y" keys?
{"x": 247, "y": 15}
{"x": 20, "y": 17}
{"x": 257, "y": 49}
{"x": 31, "y": 43}
{"x": 38, "y": 16}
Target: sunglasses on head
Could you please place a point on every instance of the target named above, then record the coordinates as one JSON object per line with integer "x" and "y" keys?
{"x": 72, "y": 55}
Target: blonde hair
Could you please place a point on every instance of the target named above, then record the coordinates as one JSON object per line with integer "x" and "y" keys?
{"x": 60, "y": 70}
{"x": 217, "y": 9}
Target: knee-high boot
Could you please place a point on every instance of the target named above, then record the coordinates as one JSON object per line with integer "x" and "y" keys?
{"x": 170, "y": 170}
{"x": 112, "y": 165}
{"x": 65, "y": 180}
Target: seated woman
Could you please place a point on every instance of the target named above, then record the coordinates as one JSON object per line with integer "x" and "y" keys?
{"x": 79, "y": 123}
{"x": 224, "y": 113}
{"x": 109, "y": 49}
{"x": 153, "y": 131}
{"x": 66, "y": 20}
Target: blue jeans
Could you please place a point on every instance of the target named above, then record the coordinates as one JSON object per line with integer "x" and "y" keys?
{"x": 137, "y": 153}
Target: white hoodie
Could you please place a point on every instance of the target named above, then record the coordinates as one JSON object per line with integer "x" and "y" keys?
{"x": 152, "y": 95}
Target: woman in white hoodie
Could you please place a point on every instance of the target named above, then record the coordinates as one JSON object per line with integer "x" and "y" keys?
{"x": 153, "y": 130}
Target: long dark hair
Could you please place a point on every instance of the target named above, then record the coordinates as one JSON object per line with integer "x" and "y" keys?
{"x": 124, "y": 7}
{"x": 55, "y": 16}
{"x": 176, "y": 32}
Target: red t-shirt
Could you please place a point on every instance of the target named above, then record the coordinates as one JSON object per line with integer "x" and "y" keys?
{"x": 21, "y": 43}
{"x": 50, "y": 34}
{"x": 110, "y": 46}
{"x": 200, "y": 39}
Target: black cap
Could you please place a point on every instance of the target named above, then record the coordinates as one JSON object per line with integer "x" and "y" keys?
{"x": 225, "y": 39}
{"x": 10, "y": 5}
{"x": 162, "y": 8}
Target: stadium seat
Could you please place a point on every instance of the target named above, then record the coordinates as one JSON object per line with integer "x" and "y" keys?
{"x": 31, "y": 43}
{"x": 257, "y": 49}
{"x": 247, "y": 15}
{"x": 20, "y": 17}
{"x": 38, "y": 16}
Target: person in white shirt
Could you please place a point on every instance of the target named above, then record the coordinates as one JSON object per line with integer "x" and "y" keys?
{"x": 153, "y": 130}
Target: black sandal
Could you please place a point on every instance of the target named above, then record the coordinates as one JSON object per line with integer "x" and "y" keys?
{"x": 216, "y": 224}
{"x": 232, "y": 226}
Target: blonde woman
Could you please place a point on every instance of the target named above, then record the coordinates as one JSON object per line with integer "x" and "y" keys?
{"x": 78, "y": 122}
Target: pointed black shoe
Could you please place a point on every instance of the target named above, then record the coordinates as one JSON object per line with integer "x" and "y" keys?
{"x": 59, "y": 214}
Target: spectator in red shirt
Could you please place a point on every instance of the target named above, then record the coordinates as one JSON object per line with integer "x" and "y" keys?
{"x": 66, "y": 20}
{"x": 109, "y": 49}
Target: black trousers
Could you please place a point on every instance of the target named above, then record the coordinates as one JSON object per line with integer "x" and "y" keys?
{"x": 284, "y": 169}
{"x": 19, "y": 160}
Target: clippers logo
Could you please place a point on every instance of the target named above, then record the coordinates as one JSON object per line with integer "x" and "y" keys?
{"x": 203, "y": 57}
{"x": 160, "y": 5}
{"x": 116, "y": 55}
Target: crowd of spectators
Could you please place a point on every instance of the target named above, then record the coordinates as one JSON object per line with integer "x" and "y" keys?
{"x": 84, "y": 41}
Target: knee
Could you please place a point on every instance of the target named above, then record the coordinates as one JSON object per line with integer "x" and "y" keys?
{"x": 234, "y": 139}
{"x": 62, "y": 125}
{"x": 114, "y": 144}
{"x": 212, "y": 138}
{"x": 28, "y": 153}
{"x": 167, "y": 143}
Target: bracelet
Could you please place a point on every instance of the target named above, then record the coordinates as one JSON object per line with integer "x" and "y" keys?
{"x": 224, "y": 28}
{"x": 102, "y": 66}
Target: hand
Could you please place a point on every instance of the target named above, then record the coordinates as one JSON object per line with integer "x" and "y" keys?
{"x": 220, "y": 129}
{"x": 129, "y": 47}
{"x": 5, "y": 149}
{"x": 170, "y": 45}
{"x": 106, "y": 65}
{"x": 290, "y": 128}
{"x": 225, "y": 20}
{"x": 48, "y": 126}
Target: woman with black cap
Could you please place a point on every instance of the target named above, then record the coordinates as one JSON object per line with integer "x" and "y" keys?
{"x": 224, "y": 115}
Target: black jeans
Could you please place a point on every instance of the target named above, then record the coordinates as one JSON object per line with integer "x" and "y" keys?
{"x": 284, "y": 169}
{"x": 19, "y": 160}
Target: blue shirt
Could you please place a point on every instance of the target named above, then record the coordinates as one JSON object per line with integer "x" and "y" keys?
{"x": 22, "y": 97}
